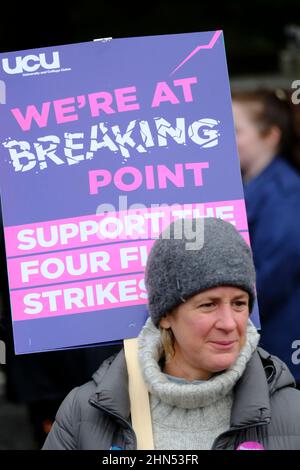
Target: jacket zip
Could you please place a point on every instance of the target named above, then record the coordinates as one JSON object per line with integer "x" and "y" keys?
{"x": 116, "y": 417}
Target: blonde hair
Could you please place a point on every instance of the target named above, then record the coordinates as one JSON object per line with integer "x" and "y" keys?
{"x": 167, "y": 340}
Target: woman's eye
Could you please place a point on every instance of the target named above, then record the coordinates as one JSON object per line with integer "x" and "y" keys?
{"x": 207, "y": 305}
{"x": 240, "y": 303}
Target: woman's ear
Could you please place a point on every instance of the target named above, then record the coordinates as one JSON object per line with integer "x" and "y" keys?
{"x": 273, "y": 136}
{"x": 164, "y": 322}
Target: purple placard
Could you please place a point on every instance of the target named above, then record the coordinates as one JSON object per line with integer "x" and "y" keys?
{"x": 88, "y": 132}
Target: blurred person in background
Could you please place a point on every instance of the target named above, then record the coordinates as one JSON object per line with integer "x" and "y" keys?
{"x": 268, "y": 147}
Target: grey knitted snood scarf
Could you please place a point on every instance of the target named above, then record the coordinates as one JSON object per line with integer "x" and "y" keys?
{"x": 189, "y": 415}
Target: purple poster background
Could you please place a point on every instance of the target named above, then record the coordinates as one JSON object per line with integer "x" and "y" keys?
{"x": 171, "y": 94}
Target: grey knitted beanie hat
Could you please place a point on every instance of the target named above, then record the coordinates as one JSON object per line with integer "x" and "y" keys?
{"x": 176, "y": 270}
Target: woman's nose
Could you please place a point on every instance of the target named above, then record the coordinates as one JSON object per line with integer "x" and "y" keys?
{"x": 226, "y": 319}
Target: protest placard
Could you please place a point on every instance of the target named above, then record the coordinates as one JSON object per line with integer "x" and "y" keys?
{"x": 102, "y": 145}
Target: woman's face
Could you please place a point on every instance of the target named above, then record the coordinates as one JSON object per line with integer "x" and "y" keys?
{"x": 252, "y": 145}
{"x": 209, "y": 330}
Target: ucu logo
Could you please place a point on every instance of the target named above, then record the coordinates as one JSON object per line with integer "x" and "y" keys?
{"x": 31, "y": 63}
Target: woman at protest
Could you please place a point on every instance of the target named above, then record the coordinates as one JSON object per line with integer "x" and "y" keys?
{"x": 210, "y": 386}
{"x": 268, "y": 146}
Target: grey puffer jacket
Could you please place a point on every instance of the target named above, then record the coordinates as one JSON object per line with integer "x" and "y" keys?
{"x": 266, "y": 409}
